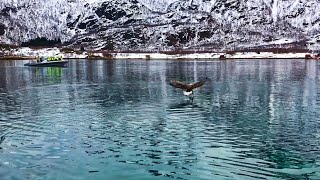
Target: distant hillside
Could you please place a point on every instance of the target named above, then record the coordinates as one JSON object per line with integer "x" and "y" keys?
{"x": 164, "y": 25}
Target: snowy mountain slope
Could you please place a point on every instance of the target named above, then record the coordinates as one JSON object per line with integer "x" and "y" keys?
{"x": 26, "y": 20}
{"x": 161, "y": 24}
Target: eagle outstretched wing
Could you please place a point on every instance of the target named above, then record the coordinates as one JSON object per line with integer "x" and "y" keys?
{"x": 178, "y": 84}
{"x": 187, "y": 87}
{"x": 197, "y": 84}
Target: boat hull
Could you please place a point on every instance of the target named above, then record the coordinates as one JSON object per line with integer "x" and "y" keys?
{"x": 48, "y": 64}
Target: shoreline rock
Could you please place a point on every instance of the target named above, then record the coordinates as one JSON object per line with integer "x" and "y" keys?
{"x": 28, "y": 53}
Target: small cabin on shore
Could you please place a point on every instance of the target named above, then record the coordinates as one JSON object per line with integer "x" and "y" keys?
{"x": 222, "y": 57}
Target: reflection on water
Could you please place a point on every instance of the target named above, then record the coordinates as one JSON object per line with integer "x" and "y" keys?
{"x": 121, "y": 120}
{"x": 52, "y": 74}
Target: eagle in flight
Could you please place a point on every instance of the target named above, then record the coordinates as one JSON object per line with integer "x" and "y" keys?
{"x": 187, "y": 88}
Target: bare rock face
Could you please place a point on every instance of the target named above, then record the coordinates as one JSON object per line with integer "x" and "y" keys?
{"x": 2, "y": 29}
{"x": 163, "y": 24}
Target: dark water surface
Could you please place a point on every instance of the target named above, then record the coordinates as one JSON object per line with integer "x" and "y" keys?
{"x": 255, "y": 119}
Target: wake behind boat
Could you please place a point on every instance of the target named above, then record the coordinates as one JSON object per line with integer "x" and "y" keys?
{"x": 53, "y": 61}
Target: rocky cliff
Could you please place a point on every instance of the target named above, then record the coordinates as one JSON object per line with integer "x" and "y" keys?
{"x": 163, "y": 24}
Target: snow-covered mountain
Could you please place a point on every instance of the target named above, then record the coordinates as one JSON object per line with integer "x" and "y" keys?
{"x": 163, "y": 24}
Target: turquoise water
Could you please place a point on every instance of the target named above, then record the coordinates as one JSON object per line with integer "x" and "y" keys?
{"x": 254, "y": 119}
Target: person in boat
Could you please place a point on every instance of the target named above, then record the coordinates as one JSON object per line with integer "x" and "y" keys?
{"x": 39, "y": 59}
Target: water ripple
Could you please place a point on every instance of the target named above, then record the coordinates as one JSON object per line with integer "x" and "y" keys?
{"x": 121, "y": 120}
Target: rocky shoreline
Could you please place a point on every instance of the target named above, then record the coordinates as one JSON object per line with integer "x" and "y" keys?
{"x": 28, "y": 53}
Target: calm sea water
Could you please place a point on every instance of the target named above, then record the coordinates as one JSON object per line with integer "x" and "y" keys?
{"x": 255, "y": 119}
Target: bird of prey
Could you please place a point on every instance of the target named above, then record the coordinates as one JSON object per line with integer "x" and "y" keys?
{"x": 187, "y": 88}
